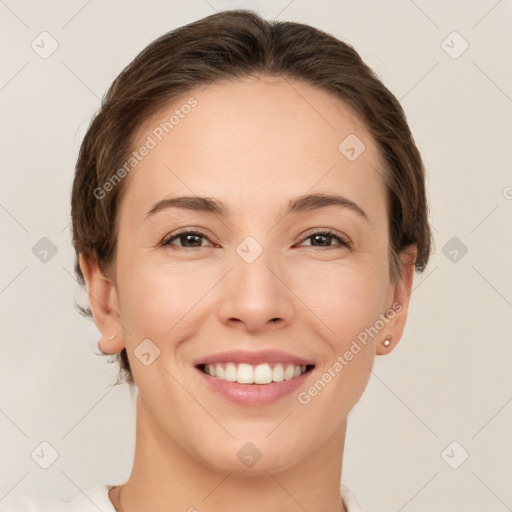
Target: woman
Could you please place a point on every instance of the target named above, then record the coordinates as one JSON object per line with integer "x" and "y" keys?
{"x": 248, "y": 211}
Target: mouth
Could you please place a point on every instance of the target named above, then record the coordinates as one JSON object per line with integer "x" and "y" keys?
{"x": 255, "y": 379}
{"x": 257, "y": 374}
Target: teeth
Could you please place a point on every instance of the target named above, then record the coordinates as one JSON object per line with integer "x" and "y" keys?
{"x": 263, "y": 374}
{"x": 278, "y": 373}
{"x": 289, "y": 372}
{"x": 216, "y": 369}
{"x": 244, "y": 373}
{"x": 230, "y": 372}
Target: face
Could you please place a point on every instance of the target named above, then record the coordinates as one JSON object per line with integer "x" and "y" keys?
{"x": 270, "y": 278}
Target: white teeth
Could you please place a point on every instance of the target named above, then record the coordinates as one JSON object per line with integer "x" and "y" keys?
{"x": 289, "y": 372}
{"x": 230, "y": 372}
{"x": 262, "y": 374}
{"x": 244, "y": 373}
{"x": 218, "y": 370}
{"x": 278, "y": 373}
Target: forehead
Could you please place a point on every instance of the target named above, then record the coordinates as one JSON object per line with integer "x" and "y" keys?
{"x": 254, "y": 141}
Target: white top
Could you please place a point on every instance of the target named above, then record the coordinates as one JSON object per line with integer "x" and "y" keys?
{"x": 94, "y": 500}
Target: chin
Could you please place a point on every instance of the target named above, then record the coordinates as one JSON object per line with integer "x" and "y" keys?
{"x": 251, "y": 458}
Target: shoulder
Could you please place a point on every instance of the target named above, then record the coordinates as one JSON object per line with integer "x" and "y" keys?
{"x": 349, "y": 500}
{"x": 17, "y": 500}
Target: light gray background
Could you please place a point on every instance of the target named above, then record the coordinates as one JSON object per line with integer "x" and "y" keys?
{"x": 448, "y": 380}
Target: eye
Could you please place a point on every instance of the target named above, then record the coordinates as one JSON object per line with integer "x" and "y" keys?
{"x": 323, "y": 236}
{"x": 185, "y": 238}
{"x": 193, "y": 239}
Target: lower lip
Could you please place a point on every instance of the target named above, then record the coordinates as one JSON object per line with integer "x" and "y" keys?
{"x": 254, "y": 394}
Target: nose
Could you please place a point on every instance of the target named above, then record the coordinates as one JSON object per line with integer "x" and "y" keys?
{"x": 255, "y": 296}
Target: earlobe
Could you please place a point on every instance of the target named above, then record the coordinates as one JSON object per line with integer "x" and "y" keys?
{"x": 401, "y": 296}
{"x": 103, "y": 300}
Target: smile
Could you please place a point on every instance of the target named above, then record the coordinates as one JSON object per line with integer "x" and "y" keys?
{"x": 244, "y": 373}
{"x": 254, "y": 378}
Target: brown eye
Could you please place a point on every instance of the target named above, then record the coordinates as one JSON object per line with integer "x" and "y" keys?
{"x": 323, "y": 237}
{"x": 186, "y": 237}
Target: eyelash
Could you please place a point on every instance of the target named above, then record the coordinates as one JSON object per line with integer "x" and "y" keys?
{"x": 322, "y": 232}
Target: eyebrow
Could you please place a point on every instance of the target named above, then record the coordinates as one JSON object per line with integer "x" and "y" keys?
{"x": 300, "y": 204}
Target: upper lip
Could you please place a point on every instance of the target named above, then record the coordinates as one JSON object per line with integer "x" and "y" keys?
{"x": 259, "y": 357}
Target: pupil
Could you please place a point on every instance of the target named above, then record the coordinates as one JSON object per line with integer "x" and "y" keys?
{"x": 321, "y": 236}
{"x": 188, "y": 237}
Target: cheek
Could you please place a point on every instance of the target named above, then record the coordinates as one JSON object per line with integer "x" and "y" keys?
{"x": 345, "y": 298}
{"x": 159, "y": 300}
{"x": 347, "y": 303}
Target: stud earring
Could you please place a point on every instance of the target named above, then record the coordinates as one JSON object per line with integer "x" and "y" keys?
{"x": 387, "y": 341}
{"x": 112, "y": 337}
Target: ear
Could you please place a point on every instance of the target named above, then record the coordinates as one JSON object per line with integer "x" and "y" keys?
{"x": 401, "y": 294}
{"x": 104, "y": 305}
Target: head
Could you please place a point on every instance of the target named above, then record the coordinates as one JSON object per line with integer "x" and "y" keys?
{"x": 255, "y": 116}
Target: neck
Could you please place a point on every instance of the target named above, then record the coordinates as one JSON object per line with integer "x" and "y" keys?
{"x": 165, "y": 477}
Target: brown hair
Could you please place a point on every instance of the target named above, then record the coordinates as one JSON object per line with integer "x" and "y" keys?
{"x": 234, "y": 45}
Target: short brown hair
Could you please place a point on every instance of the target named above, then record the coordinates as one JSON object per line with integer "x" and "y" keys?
{"x": 234, "y": 45}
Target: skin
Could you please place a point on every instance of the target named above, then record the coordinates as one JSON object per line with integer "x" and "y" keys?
{"x": 255, "y": 145}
